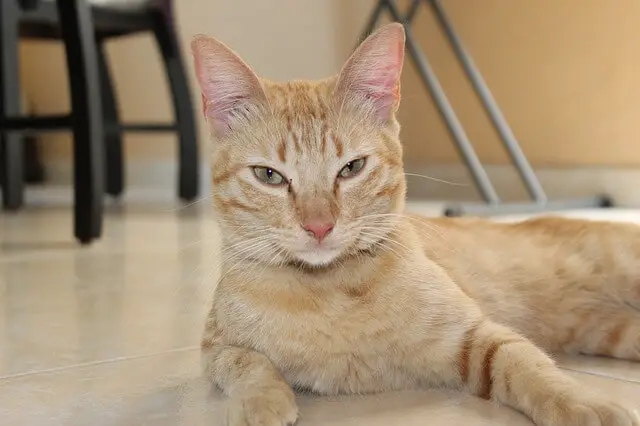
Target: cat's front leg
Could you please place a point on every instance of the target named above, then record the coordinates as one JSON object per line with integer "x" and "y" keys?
{"x": 496, "y": 363}
{"x": 257, "y": 393}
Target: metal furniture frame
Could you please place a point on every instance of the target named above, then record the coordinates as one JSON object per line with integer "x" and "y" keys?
{"x": 493, "y": 205}
{"x": 86, "y": 118}
{"x": 94, "y": 117}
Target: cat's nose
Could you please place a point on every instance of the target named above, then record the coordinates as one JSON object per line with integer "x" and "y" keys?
{"x": 318, "y": 229}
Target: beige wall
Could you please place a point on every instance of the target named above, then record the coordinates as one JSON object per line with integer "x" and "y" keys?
{"x": 565, "y": 72}
{"x": 282, "y": 39}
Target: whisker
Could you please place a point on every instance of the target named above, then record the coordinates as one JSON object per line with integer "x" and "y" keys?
{"x": 376, "y": 242}
{"x": 247, "y": 256}
{"x": 227, "y": 257}
{"x": 382, "y": 238}
{"x": 227, "y": 248}
{"x": 422, "y": 222}
{"x": 253, "y": 248}
{"x": 193, "y": 243}
{"x": 184, "y": 206}
{"x": 434, "y": 179}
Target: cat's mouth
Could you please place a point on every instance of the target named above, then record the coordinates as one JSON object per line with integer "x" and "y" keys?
{"x": 325, "y": 257}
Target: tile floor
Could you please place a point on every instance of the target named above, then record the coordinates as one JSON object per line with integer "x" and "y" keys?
{"x": 107, "y": 335}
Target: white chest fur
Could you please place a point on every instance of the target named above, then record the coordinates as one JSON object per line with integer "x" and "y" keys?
{"x": 342, "y": 341}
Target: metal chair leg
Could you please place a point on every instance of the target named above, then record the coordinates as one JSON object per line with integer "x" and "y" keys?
{"x": 493, "y": 204}
{"x": 10, "y": 142}
{"x": 188, "y": 175}
{"x": 88, "y": 147}
{"x": 491, "y": 107}
{"x": 459, "y": 135}
{"x": 114, "y": 169}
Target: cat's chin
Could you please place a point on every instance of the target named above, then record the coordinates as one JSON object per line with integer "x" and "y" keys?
{"x": 318, "y": 258}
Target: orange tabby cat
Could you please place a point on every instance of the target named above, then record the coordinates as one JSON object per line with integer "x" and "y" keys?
{"x": 328, "y": 286}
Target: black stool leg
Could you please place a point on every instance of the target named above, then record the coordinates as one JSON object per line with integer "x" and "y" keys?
{"x": 188, "y": 181}
{"x": 112, "y": 127}
{"x": 12, "y": 178}
{"x": 88, "y": 147}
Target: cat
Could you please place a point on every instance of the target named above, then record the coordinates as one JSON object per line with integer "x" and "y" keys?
{"x": 326, "y": 285}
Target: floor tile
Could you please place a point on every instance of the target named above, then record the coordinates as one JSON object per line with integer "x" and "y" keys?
{"x": 620, "y": 391}
{"x": 606, "y": 367}
{"x": 167, "y": 389}
{"x": 144, "y": 292}
{"x": 147, "y": 390}
{"x": 108, "y": 334}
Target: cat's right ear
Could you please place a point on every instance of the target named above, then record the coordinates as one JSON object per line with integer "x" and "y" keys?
{"x": 229, "y": 86}
{"x": 371, "y": 76}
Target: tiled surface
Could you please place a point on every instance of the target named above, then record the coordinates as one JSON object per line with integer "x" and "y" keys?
{"x": 107, "y": 335}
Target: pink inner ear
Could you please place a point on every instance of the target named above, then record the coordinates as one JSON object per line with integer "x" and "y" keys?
{"x": 222, "y": 108}
{"x": 383, "y": 89}
{"x": 211, "y": 90}
{"x": 373, "y": 71}
{"x": 226, "y": 82}
{"x": 202, "y": 79}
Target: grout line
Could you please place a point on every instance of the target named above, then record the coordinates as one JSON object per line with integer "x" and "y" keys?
{"x": 603, "y": 375}
{"x": 44, "y": 255}
{"x": 5, "y": 379}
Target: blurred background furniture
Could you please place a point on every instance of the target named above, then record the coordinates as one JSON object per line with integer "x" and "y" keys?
{"x": 117, "y": 18}
{"x": 493, "y": 204}
{"x": 74, "y": 17}
{"x": 33, "y": 168}
{"x": 105, "y": 19}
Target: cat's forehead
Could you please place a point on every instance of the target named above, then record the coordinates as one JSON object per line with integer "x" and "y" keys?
{"x": 307, "y": 125}
{"x": 305, "y": 118}
{"x": 299, "y": 102}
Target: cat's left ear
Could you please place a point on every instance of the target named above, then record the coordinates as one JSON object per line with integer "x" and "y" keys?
{"x": 372, "y": 73}
{"x": 229, "y": 86}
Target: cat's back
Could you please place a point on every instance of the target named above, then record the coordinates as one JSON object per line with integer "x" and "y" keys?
{"x": 550, "y": 244}
{"x": 524, "y": 270}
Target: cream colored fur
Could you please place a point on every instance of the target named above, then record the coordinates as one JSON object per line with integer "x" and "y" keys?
{"x": 388, "y": 300}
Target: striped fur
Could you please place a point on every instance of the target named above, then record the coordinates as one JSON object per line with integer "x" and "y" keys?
{"x": 389, "y": 300}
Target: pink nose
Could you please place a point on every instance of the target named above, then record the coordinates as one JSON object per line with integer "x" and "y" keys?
{"x": 318, "y": 229}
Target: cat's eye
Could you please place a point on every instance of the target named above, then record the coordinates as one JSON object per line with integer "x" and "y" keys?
{"x": 352, "y": 168}
{"x": 269, "y": 176}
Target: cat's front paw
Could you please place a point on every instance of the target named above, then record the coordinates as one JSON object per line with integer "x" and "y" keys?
{"x": 588, "y": 412}
{"x": 265, "y": 408}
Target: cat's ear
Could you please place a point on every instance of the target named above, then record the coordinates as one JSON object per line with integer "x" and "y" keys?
{"x": 372, "y": 73}
{"x": 229, "y": 86}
